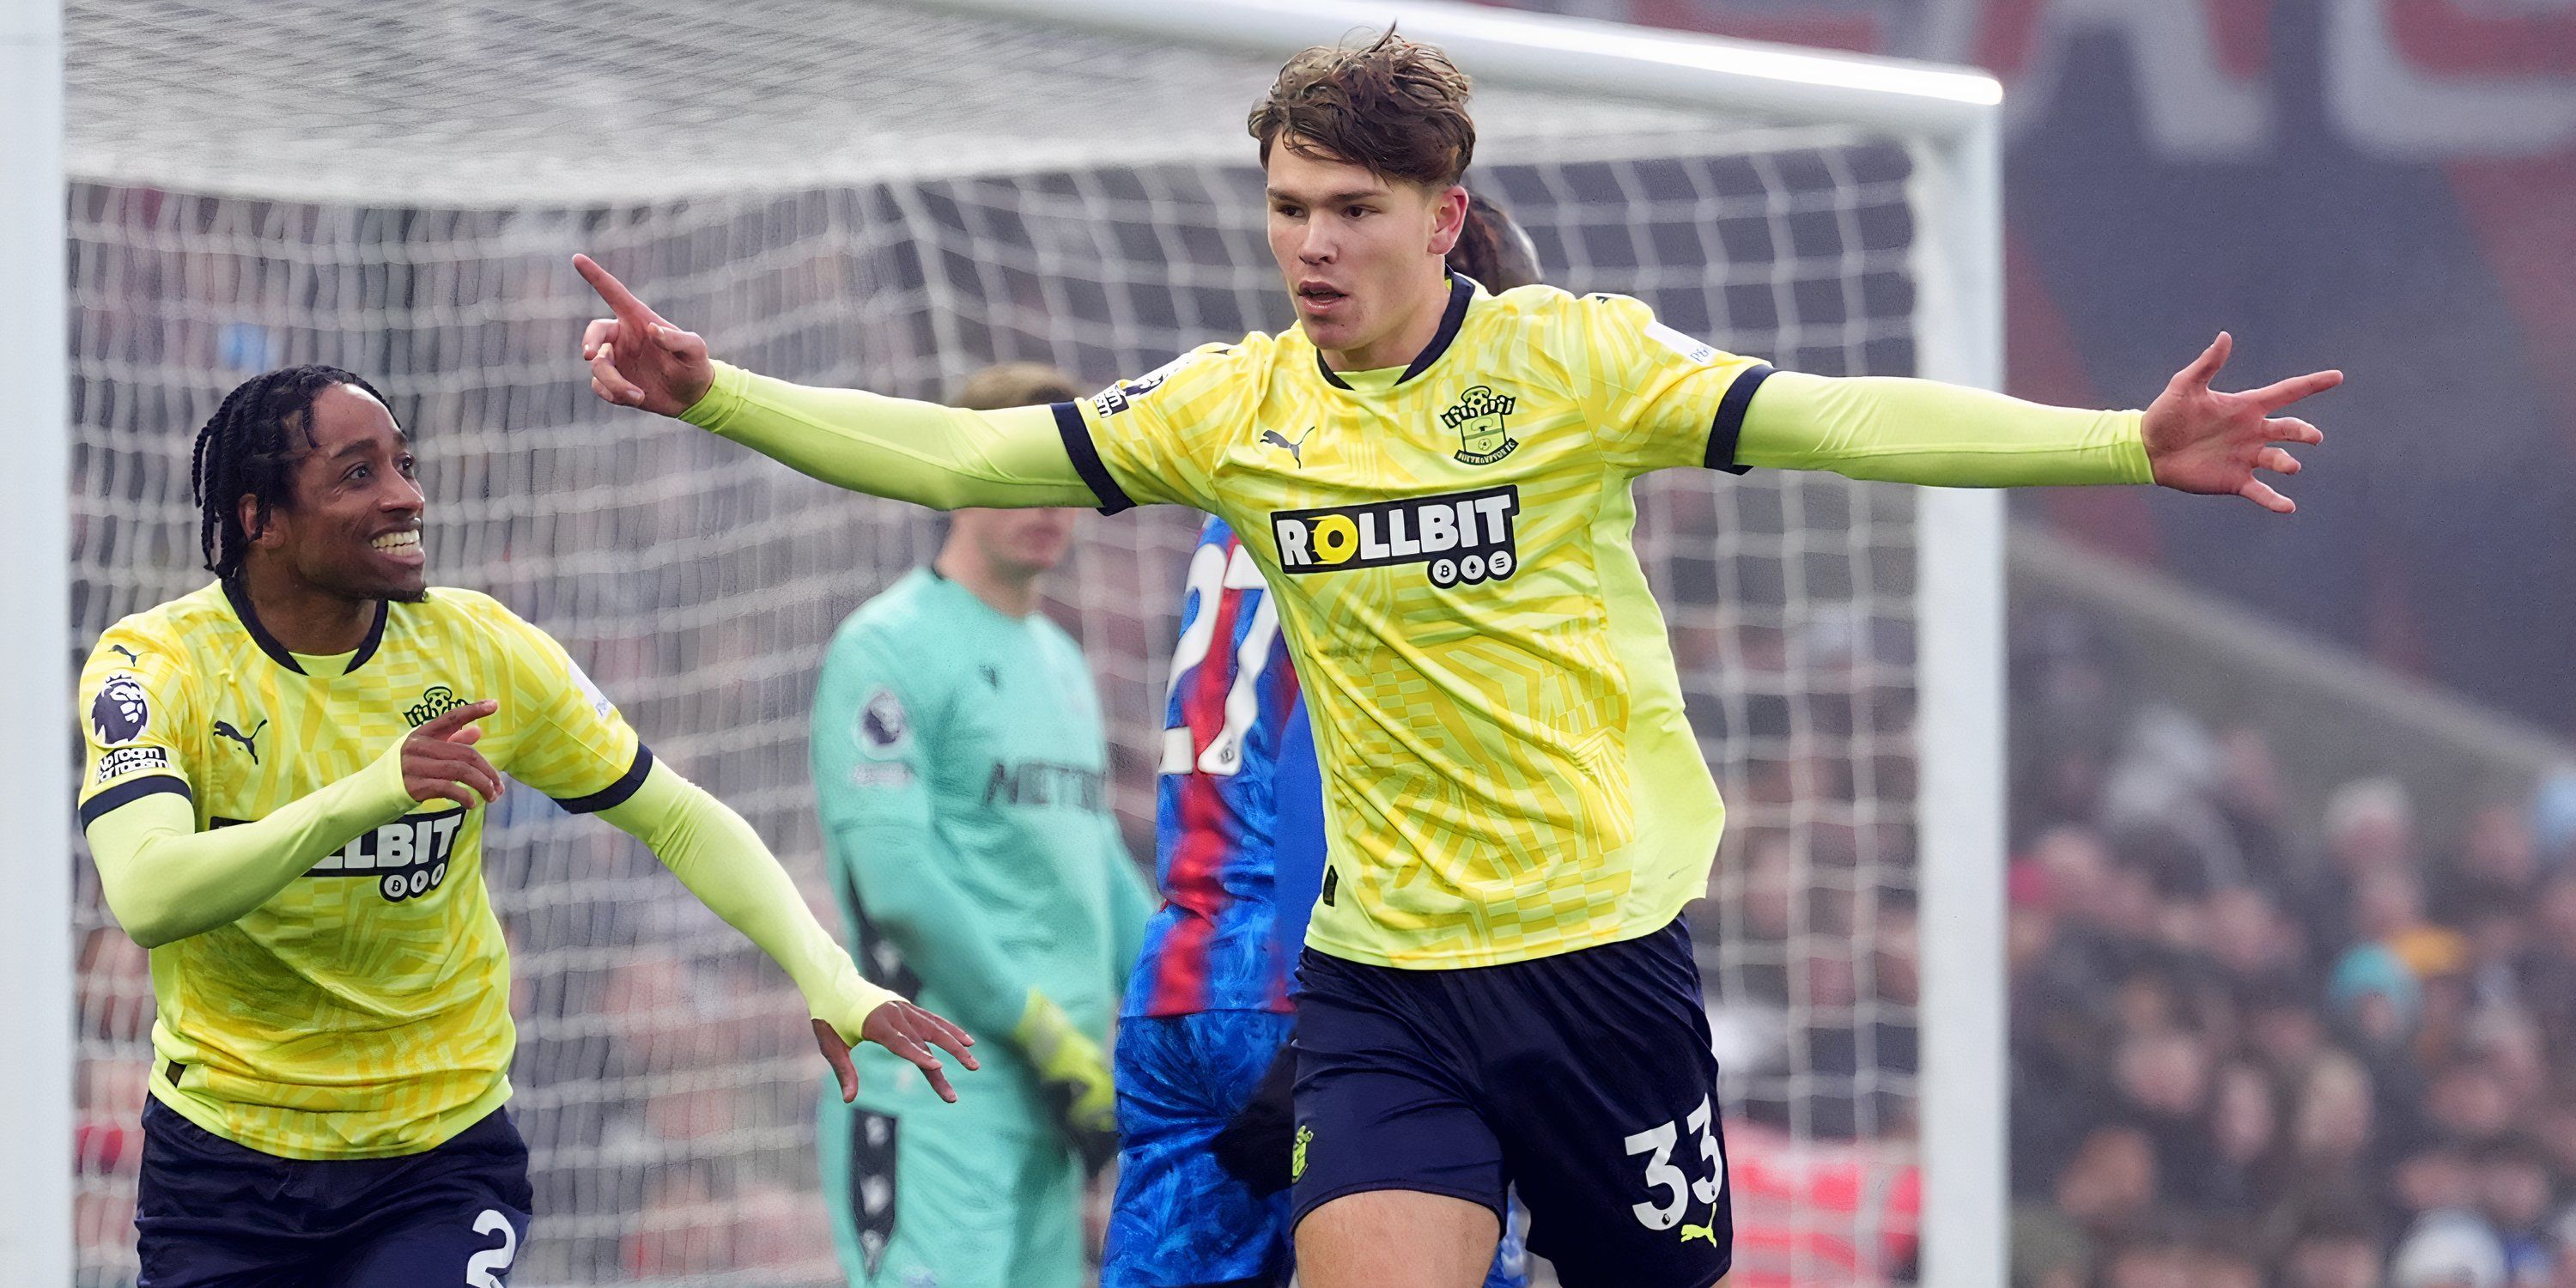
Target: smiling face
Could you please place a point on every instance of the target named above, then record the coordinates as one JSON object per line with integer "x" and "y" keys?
{"x": 1361, "y": 254}
{"x": 352, "y": 526}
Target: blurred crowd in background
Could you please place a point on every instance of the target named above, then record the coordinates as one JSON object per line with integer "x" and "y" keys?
{"x": 2255, "y": 1044}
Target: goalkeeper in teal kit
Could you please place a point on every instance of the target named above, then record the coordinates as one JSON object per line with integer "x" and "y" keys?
{"x": 963, "y": 782}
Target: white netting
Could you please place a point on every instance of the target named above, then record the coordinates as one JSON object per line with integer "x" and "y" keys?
{"x": 874, "y": 195}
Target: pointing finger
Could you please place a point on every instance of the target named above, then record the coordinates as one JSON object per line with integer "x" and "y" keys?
{"x": 628, "y": 308}
{"x": 454, "y": 718}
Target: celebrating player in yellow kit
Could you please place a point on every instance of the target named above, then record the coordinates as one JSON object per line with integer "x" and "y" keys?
{"x": 1434, "y": 482}
{"x": 285, "y": 797}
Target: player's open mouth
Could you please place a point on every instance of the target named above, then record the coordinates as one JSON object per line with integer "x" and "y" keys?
{"x": 1319, "y": 297}
{"x": 402, "y": 547}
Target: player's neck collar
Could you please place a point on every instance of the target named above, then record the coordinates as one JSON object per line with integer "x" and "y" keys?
{"x": 1462, "y": 290}
{"x": 238, "y": 596}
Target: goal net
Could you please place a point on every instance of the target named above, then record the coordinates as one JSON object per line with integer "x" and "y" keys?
{"x": 889, "y": 196}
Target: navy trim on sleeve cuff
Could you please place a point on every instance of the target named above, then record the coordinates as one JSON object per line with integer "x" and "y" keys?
{"x": 130, "y": 791}
{"x": 1728, "y": 425}
{"x": 616, "y": 793}
{"x": 1086, "y": 459}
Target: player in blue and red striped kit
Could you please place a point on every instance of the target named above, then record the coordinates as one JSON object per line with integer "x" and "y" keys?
{"x": 1201, "y": 1063}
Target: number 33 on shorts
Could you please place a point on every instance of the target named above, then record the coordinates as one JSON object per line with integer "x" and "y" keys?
{"x": 1677, "y": 1191}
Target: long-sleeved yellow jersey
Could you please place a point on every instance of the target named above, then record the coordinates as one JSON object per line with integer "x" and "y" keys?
{"x": 364, "y": 1010}
{"x": 1508, "y": 771}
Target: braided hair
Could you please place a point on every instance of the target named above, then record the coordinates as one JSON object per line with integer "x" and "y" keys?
{"x": 249, "y": 448}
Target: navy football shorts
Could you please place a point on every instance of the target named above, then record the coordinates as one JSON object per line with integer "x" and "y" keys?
{"x": 1180, "y": 1217}
{"x": 214, "y": 1214}
{"x": 1585, "y": 1079}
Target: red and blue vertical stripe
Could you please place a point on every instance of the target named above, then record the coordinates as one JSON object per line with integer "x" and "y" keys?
{"x": 1216, "y": 944}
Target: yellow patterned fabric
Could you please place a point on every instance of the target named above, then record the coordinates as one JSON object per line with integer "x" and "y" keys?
{"x": 1508, "y": 773}
{"x": 362, "y": 1011}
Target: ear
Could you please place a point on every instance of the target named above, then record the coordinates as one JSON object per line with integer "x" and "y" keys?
{"x": 265, "y": 526}
{"x": 1448, "y": 219}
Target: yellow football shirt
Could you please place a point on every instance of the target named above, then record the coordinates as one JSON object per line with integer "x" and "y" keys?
{"x": 1508, "y": 773}
{"x": 363, "y": 1011}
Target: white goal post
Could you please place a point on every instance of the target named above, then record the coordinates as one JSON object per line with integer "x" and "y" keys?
{"x": 35, "y": 778}
{"x": 499, "y": 223}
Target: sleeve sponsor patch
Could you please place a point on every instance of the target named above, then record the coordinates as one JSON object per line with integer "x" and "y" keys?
{"x": 890, "y": 774}
{"x": 120, "y": 712}
{"x": 1693, "y": 350}
{"x": 127, "y": 761}
{"x": 1118, "y": 397}
{"x": 883, "y": 726}
{"x": 598, "y": 701}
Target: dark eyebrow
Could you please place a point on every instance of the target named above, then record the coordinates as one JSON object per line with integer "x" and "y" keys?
{"x": 1355, "y": 194}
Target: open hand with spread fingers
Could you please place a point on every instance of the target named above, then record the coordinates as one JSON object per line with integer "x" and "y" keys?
{"x": 908, "y": 1031}
{"x": 2202, "y": 440}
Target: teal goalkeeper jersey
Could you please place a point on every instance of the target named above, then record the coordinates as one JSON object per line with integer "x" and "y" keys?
{"x": 963, "y": 782}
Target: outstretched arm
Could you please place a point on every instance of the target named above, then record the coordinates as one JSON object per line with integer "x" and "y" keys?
{"x": 2192, "y": 438}
{"x": 722, "y": 861}
{"x": 920, "y": 452}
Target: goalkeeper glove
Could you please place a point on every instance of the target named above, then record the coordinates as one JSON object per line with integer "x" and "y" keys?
{"x": 1073, "y": 1073}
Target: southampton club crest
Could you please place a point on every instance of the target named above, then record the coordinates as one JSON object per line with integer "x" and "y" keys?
{"x": 1483, "y": 438}
{"x": 435, "y": 701}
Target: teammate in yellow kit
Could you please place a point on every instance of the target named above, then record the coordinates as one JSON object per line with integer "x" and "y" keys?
{"x": 285, "y": 787}
{"x": 1434, "y": 482}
